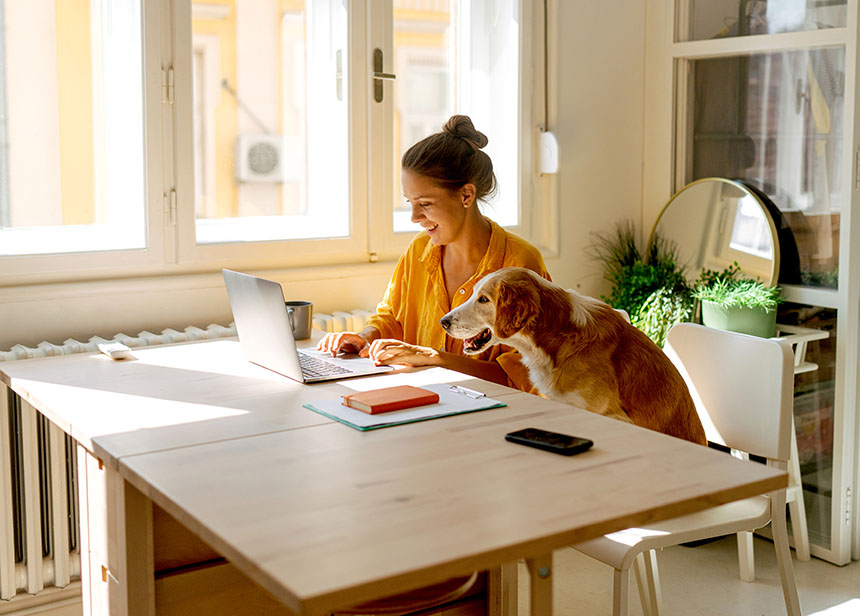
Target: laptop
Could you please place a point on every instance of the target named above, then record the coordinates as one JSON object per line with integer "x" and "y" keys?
{"x": 266, "y": 337}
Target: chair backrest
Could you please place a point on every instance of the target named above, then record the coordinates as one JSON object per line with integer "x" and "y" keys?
{"x": 743, "y": 386}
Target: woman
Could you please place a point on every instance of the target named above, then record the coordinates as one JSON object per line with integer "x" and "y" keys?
{"x": 444, "y": 176}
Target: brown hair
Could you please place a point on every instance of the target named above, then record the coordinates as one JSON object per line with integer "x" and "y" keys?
{"x": 453, "y": 158}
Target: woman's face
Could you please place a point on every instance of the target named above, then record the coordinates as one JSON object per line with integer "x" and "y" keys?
{"x": 439, "y": 211}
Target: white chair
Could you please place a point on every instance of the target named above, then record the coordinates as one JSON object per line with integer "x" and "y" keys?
{"x": 743, "y": 390}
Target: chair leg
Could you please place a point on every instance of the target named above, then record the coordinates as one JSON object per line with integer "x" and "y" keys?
{"x": 783, "y": 554}
{"x": 746, "y": 556}
{"x": 794, "y": 496}
{"x": 642, "y": 584}
{"x": 798, "y": 527}
{"x": 619, "y": 592}
{"x": 652, "y": 576}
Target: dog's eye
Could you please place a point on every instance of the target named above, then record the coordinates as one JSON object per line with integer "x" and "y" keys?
{"x": 483, "y": 299}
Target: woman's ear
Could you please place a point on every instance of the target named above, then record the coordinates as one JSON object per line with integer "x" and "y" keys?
{"x": 467, "y": 194}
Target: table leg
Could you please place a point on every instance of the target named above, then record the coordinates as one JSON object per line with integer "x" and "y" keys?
{"x": 139, "y": 556}
{"x": 502, "y": 590}
{"x": 540, "y": 572}
{"x": 117, "y": 559}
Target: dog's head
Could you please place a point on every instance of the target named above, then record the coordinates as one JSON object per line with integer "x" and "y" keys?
{"x": 502, "y": 304}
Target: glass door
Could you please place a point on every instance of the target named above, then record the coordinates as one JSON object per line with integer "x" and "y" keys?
{"x": 772, "y": 110}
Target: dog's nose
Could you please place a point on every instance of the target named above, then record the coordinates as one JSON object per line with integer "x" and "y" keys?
{"x": 446, "y": 322}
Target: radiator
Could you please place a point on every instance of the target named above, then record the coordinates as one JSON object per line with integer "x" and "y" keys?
{"x": 38, "y": 501}
{"x": 39, "y": 528}
{"x": 337, "y": 321}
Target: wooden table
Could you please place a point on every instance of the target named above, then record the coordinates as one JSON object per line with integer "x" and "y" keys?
{"x": 323, "y": 516}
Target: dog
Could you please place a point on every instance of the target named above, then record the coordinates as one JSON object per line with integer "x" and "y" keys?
{"x": 578, "y": 350}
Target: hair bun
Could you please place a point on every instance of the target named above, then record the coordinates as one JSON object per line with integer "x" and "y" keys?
{"x": 461, "y": 126}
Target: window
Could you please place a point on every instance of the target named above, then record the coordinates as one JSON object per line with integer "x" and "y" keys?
{"x": 73, "y": 126}
{"x": 776, "y": 120}
{"x": 243, "y": 132}
{"x": 709, "y": 19}
{"x": 272, "y": 117}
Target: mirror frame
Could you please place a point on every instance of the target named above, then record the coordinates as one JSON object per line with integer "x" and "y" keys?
{"x": 774, "y": 272}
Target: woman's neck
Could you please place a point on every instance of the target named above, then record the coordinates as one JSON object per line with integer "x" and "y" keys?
{"x": 472, "y": 242}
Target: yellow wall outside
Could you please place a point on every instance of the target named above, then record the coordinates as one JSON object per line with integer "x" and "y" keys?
{"x": 75, "y": 104}
{"x": 226, "y": 112}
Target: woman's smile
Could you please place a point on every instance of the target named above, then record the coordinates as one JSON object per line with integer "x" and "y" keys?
{"x": 439, "y": 211}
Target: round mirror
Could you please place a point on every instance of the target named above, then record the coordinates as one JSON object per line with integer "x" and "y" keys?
{"x": 714, "y": 222}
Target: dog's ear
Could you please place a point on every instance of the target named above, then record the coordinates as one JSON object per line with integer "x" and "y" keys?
{"x": 517, "y": 304}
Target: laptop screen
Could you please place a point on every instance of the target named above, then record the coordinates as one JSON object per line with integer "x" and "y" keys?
{"x": 262, "y": 323}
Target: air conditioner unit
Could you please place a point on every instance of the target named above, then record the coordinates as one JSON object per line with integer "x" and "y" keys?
{"x": 261, "y": 158}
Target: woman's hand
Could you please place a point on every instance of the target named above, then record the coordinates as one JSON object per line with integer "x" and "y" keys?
{"x": 344, "y": 342}
{"x": 388, "y": 351}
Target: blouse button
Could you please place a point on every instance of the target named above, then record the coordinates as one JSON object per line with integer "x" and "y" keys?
{"x": 462, "y": 291}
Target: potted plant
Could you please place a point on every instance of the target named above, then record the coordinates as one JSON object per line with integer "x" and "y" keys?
{"x": 737, "y": 304}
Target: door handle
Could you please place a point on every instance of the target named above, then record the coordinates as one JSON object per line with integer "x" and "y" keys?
{"x": 379, "y": 76}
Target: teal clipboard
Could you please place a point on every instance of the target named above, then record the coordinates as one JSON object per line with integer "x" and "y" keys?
{"x": 453, "y": 400}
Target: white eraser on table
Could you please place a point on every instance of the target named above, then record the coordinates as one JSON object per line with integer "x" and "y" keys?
{"x": 115, "y": 350}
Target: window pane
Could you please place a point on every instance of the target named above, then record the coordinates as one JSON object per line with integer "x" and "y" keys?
{"x": 709, "y": 19}
{"x": 71, "y": 126}
{"x": 775, "y": 121}
{"x": 814, "y": 400}
{"x": 452, "y": 57}
{"x": 270, "y": 120}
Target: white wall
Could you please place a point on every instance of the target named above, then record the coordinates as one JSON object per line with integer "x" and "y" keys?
{"x": 31, "y": 314}
{"x": 599, "y": 109}
{"x": 600, "y": 72}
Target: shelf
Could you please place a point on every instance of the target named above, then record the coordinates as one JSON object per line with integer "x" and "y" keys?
{"x": 798, "y": 337}
{"x": 805, "y": 366}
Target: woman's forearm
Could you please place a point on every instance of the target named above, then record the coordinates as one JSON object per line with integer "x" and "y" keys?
{"x": 369, "y": 333}
{"x": 487, "y": 370}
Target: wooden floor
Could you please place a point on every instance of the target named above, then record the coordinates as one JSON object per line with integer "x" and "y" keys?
{"x": 701, "y": 581}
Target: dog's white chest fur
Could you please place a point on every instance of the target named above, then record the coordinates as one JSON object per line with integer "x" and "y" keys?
{"x": 540, "y": 367}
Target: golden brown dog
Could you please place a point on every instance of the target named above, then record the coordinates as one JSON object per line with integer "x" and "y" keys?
{"x": 578, "y": 350}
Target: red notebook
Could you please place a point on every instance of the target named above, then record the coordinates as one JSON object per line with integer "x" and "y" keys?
{"x": 388, "y": 399}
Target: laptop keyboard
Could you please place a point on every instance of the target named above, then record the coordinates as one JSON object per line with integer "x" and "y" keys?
{"x": 313, "y": 367}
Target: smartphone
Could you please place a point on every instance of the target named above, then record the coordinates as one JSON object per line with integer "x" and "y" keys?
{"x": 564, "y": 444}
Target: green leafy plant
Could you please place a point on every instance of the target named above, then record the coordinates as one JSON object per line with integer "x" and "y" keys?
{"x": 730, "y": 289}
{"x": 709, "y": 277}
{"x": 820, "y": 279}
{"x": 663, "y": 309}
{"x": 652, "y": 289}
{"x": 740, "y": 293}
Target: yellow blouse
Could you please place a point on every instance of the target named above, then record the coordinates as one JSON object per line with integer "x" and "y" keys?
{"x": 416, "y": 297}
